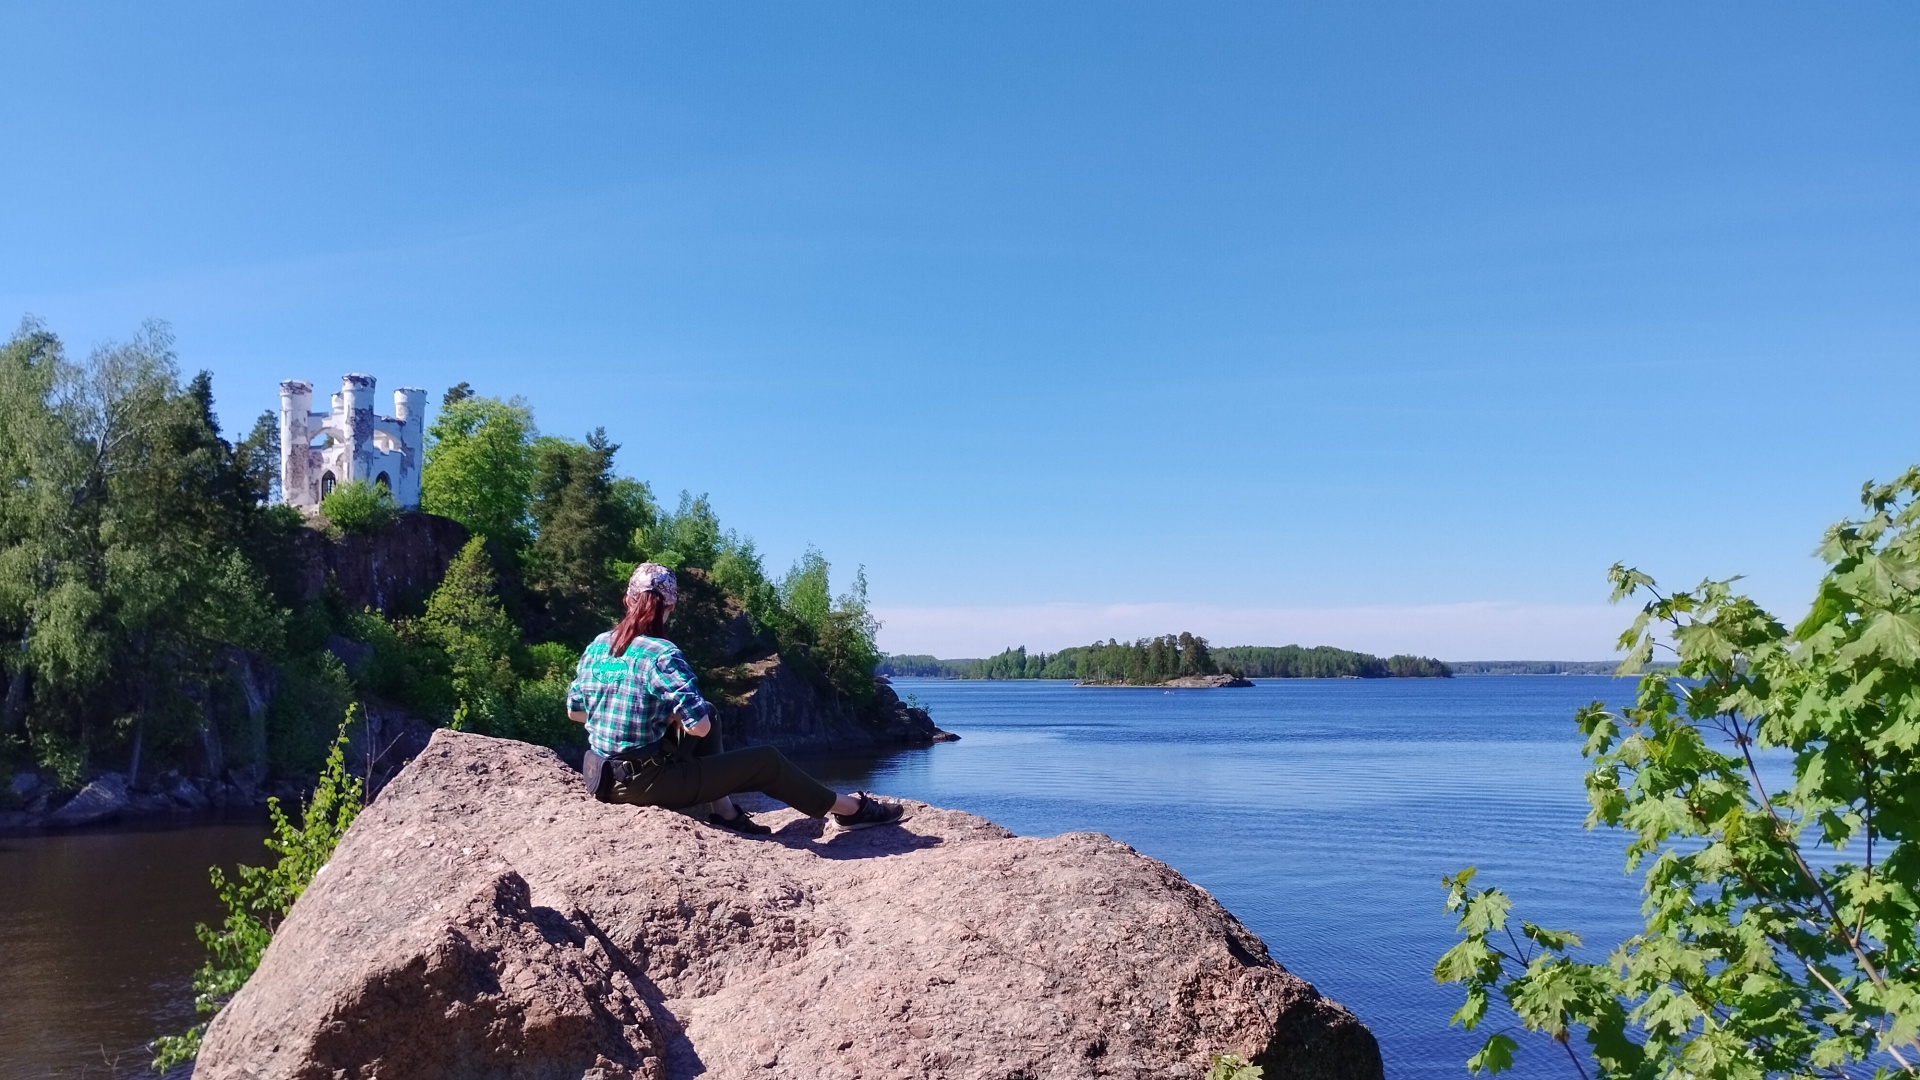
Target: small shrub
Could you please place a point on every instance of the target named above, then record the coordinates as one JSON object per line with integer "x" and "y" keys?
{"x": 540, "y": 714}
{"x": 1232, "y": 1067}
{"x": 405, "y": 667}
{"x": 258, "y": 897}
{"x": 359, "y": 507}
{"x": 66, "y": 760}
{"x": 550, "y": 659}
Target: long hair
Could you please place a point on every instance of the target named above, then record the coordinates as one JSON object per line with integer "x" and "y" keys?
{"x": 646, "y": 617}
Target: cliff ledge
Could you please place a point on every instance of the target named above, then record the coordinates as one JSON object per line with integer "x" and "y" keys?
{"x": 485, "y": 918}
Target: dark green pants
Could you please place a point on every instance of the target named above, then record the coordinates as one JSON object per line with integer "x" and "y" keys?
{"x": 704, "y": 773}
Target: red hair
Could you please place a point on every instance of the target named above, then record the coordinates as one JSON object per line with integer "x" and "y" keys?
{"x": 646, "y": 617}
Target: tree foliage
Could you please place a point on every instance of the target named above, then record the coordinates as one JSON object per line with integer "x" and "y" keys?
{"x": 466, "y": 621}
{"x": 1325, "y": 662}
{"x": 581, "y": 529}
{"x": 359, "y": 507}
{"x": 479, "y": 466}
{"x": 1780, "y": 916}
{"x": 130, "y": 536}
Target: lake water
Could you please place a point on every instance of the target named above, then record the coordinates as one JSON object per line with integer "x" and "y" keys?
{"x": 97, "y": 951}
{"x": 1321, "y": 812}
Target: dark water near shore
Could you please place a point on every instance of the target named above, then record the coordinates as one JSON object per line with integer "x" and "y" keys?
{"x": 1321, "y": 812}
{"x": 97, "y": 951}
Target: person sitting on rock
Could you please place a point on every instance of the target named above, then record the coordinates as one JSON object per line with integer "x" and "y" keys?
{"x": 635, "y": 693}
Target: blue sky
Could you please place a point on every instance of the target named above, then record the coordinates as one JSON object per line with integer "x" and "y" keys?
{"x": 1384, "y": 325}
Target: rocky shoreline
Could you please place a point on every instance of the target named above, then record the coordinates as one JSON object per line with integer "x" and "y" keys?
{"x": 768, "y": 704}
{"x": 1185, "y": 682}
{"x": 107, "y": 797}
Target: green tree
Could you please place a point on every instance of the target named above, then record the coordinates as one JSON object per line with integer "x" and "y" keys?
{"x": 1779, "y": 935}
{"x": 464, "y": 618}
{"x": 124, "y": 576}
{"x": 833, "y": 635}
{"x": 581, "y": 530}
{"x": 479, "y": 467}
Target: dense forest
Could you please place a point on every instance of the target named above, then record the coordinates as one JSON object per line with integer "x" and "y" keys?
{"x": 145, "y": 570}
{"x": 1155, "y": 660}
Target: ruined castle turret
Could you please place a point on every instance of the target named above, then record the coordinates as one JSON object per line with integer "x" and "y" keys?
{"x": 321, "y": 450}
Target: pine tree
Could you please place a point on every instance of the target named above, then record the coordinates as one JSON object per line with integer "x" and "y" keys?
{"x": 582, "y": 529}
{"x": 465, "y": 619}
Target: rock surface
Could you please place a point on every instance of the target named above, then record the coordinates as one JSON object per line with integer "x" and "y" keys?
{"x": 392, "y": 570}
{"x": 779, "y": 708}
{"x": 485, "y": 918}
{"x": 97, "y": 801}
{"x": 1206, "y": 682}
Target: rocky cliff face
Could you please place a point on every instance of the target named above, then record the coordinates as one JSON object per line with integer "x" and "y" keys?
{"x": 486, "y": 919}
{"x": 779, "y": 708}
{"x": 763, "y": 699}
{"x": 392, "y": 570}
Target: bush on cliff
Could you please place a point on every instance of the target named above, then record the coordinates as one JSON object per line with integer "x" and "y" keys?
{"x": 1779, "y": 931}
{"x": 359, "y": 507}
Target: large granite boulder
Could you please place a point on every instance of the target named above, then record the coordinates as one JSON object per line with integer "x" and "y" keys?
{"x": 485, "y": 918}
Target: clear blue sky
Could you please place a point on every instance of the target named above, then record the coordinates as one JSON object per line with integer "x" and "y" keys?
{"x": 1385, "y": 325}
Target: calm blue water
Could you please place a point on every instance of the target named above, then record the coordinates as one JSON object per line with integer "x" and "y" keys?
{"x": 1321, "y": 812}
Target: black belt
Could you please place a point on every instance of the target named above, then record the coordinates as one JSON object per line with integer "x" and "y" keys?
{"x": 602, "y": 771}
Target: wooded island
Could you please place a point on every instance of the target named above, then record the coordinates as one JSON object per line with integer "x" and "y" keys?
{"x": 1161, "y": 660}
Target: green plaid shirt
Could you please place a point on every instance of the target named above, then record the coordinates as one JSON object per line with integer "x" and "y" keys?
{"x": 629, "y": 699}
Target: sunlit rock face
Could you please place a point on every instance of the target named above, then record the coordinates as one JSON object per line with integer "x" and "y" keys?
{"x": 485, "y": 918}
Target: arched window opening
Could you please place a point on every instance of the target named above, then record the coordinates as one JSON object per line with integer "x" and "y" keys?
{"x": 383, "y": 481}
{"x": 321, "y": 441}
{"x": 326, "y": 484}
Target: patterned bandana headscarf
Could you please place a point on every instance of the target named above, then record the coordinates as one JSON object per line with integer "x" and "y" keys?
{"x": 652, "y": 577}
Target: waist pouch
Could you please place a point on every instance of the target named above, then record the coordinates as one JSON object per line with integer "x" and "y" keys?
{"x": 601, "y": 771}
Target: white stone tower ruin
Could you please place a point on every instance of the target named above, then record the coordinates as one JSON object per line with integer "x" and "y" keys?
{"x": 320, "y": 450}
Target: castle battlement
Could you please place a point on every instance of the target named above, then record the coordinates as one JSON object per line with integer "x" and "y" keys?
{"x": 320, "y": 450}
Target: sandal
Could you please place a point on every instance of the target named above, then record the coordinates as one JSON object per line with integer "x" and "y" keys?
{"x": 870, "y": 812}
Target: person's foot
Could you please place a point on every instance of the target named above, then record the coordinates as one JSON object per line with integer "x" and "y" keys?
{"x": 870, "y": 812}
{"x": 741, "y": 822}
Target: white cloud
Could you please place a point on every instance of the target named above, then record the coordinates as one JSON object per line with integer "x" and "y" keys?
{"x": 1482, "y": 630}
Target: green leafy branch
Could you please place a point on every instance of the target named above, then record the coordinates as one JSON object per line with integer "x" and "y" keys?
{"x": 1767, "y": 950}
{"x": 259, "y": 897}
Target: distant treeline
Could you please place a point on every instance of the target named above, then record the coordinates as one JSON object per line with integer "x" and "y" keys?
{"x": 1540, "y": 667}
{"x": 921, "y": 665}
{"x": 1324, "y": 662}
{"x": 1155, "y": 660}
